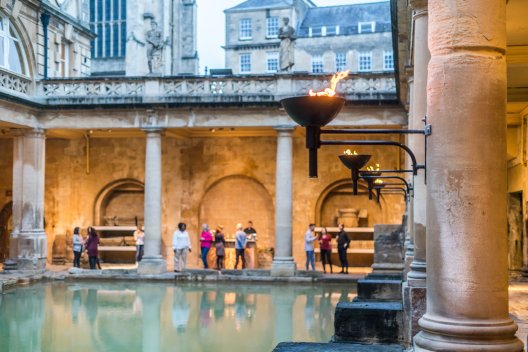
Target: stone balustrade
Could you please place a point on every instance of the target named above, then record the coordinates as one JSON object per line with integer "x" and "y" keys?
{"x": 208, "y": 90}
{"x": 11, "y": 82}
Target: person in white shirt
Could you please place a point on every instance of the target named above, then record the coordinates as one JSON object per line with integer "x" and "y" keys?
{"x": 181, "y": 244}
{"x": 309, "y": 239}
{"x": 77, "y": 247}
{"x": 139, "y": 236}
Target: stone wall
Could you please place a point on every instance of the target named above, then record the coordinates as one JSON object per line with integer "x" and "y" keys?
{"x": 6, "y": 171}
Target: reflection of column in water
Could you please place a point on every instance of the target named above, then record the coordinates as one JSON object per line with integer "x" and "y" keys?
{"x": 151, "y": 298}
{"x": 283, "y": 299}
{"x": 180, "y": 310}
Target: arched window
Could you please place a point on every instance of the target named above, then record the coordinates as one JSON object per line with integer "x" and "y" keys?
{"x": 12, "y": 54}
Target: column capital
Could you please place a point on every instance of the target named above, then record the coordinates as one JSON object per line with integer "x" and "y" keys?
{"x": 284, "y": 129}
{"x": 152, "y": 129}
{"x": 25, "y": 132}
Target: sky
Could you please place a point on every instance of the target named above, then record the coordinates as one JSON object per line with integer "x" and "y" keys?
{"x": 211, "y": 28}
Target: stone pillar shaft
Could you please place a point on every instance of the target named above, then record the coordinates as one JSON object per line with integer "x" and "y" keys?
{"x": 283, "y": 263}
{"x": 29, "y": 238}
{"x": 467, "y": 283}
{"x": 152, "y": 261}
{"x": 417, "y": 275}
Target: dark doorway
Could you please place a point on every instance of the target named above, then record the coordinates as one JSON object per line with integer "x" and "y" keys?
{"x": 6, "y": 226}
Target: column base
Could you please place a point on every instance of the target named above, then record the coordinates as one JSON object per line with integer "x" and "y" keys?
{"x": 467, "y": 336}
{"x": 283, "y": 267}
{"x": 31, "y": 264}
{"x": 414, "y": 305}
{"x": 417, "y": 277}
{"x": 152, "y": 266}
{"x": 32, "y": 250}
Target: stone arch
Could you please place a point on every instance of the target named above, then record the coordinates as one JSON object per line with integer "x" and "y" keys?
{"x": 237, "y": 199}
{"x": 5, "y": 217}
{"x": 339, "y": 194}
{"x": 25, "y": 42}
{"x": 127, "y": 190}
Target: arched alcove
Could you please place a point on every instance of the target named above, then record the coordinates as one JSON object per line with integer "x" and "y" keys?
{"x": 119, "y": 203}
{"x": 237, "y": 199}
{"x": 338, "y": 195}
{"x": 6, "y": 226}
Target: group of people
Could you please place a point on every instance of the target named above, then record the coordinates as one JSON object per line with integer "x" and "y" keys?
{"x": 90, "y": 245}
{"x": 343, "y": 242}
{"x": 181, "y": 245}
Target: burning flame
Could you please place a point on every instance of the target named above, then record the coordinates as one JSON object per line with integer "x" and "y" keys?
{"x": 348, "y": 152}
{"x": 371, "y": 168}
{"x": 330, "y": 92}
{"x": 378, "y": 181}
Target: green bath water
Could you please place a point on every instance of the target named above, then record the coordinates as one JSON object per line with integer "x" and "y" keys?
{"x": 135, "y": 316}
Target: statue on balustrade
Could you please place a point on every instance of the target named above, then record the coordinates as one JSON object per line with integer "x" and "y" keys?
{"x": 287, "y": 46}
{"x": 155, "y": 46}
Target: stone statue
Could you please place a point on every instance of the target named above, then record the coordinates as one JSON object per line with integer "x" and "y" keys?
{"x": 287, "y": 37}
{"x": 154, "y": 46}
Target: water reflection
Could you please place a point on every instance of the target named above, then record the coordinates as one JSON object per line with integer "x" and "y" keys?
{"x": 164, "y": 317}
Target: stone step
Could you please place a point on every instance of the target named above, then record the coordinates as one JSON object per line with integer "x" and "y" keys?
{"x": 369, "y": 322}
{"x": 379, "y": 289}
{"x": 334, "y": 347}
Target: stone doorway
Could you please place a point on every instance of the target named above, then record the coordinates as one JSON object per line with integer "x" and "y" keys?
{"x": 237, "y": 199}
{"x": 515, "y": 231}
{"x": 6, "y": 227}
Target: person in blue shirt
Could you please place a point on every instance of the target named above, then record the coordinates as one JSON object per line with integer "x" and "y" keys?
{"x": 240, "y": 245}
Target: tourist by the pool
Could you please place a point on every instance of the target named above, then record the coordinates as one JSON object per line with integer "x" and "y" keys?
{"x": 181, "y": 244}
{"x": 92, "y": 244}
{"x": 343, "y": 243}
{"x": 309, "y": 238}
{"x": 326, "y": 249}
{"x": 77, "y": 244}
{"x": 240, "y": 246}
{"x": 206, "y": 239}
{"x": 139, "y": 237}
{"x": 220, "y": 247}
{"x": 250, "y": 230}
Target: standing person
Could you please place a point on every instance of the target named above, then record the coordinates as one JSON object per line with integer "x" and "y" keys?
{"x": 240, "y": 245}
{"x": 206, "y": 238}
{"x": 139, "y": 237}
{"x": 343, "y": 243}
{"x": 77, "y": 247}
{"x": 326, "y": 249}
{"x": 309, "y": 239}
{"x": 220, "y": 247}
{"x": 181, "y": 244}
{"x": 250, "y": 230}
{"x": 92, "y": 244}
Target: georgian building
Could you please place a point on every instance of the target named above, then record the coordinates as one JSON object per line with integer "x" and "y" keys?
{"x": 329, "y": 39}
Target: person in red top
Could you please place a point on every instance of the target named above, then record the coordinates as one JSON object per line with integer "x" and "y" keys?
{"x": 92, "y": 244}
{"x": 326, "y": 249}
{"x": 206, "y": 238}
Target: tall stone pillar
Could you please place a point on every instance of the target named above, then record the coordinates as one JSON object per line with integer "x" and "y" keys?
{"x": 409, "y": 233}
{"x": 467, "y": 277}
{"x": 283, "y": 263}
{"x": 417, "y": 275}
{"x": 28, "y": 240}
{"x": 152, "y": 262}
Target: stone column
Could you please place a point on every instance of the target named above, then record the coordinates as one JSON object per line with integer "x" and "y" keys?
{"x": 152, "y": 262}
{"x": 417, "y": 275}
{"x": 409, "y": 233}
{"x": 467, "y": 276}
{"x": 283, "y": 263}
{"x": 29, "y": 238}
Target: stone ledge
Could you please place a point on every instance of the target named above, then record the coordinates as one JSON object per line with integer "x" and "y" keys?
{"x": 331, "y": 347}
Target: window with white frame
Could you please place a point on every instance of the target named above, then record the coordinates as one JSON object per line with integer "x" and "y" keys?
{"x": 388, "y": 61}
{"x": 108, "y": 22}
{"x": 315, "y": 31}
{"x": 332, "y": 30}
{"x": 245, "y": 63}
{"x": 63, "y": 60}
{"x": 366, "y": 27}
{"x": 245, "y": 29}
{"x": 365, "y": 61}
{"x": 341, "y": 62}
{"x": 12, "y": 54}
{"x": 272, "y": 27}
{"x": 317, "y": 64}
{"x": 272, "y": 62}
